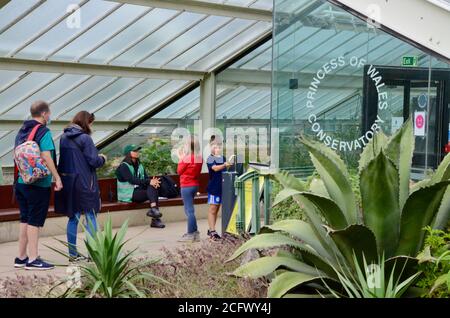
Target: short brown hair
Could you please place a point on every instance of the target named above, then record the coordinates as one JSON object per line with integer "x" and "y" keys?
{"x": 38, "y": 108}
{"x": 84, "y": 119}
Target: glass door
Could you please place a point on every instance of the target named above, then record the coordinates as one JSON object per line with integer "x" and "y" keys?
{"x": 409, "y": 93}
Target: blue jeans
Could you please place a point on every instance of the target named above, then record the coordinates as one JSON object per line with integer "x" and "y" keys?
{"x": 188, "y": 195}
{"x": 72, "y": 229}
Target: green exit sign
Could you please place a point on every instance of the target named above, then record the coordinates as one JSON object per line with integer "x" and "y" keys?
{"x": 409, "y": 61}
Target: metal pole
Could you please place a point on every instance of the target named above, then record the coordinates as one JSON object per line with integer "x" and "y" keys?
{"x": 267, "y": 202}
{"x": 256, "y": 216}
{"x": 427, "y": 120}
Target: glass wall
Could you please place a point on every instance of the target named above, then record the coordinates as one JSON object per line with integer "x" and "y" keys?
{"x": 243, "y": 100}
{"x": 340, "y": 80}
{"x": 243, "y": 97}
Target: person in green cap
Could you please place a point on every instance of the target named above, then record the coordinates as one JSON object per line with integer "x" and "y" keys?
{"x": 134, "y": 185}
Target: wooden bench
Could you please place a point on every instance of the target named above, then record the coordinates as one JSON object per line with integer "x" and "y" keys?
{"x": 9, "y": 209}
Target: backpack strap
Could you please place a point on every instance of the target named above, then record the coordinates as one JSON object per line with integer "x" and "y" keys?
{"x": 33, "y": 132}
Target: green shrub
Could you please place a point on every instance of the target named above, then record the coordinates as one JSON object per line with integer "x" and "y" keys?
{"x": 157, "y": 158}
{"x": 287, "y": 209}
{"x": 434, "y": 262}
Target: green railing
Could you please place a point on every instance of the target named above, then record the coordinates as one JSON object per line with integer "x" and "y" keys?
{"x": 239, "y": 185}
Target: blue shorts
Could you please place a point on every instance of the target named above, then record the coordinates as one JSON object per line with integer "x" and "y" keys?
{"x": 214, "y": 199}
{"x": 33, "y": 202}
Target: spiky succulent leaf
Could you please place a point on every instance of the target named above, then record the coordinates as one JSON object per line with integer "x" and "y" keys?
{"x": 372, "y": 149}
{"x": 419, "y": 211}
{"x": 356, "y": 240}
{"x": 287, "y": 281}
{"x": 266, "y": 265}
{"x": 270, "y": 240}
{"x": 400, "y": 150}
{"x": 300, "y": 230}
{"x": 289, "y": 181}
{"x": 379, "y": 184}
{"x": 334, "y": 174}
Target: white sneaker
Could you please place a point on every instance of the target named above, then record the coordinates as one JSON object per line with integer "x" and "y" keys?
{"x": 190, "y": 237}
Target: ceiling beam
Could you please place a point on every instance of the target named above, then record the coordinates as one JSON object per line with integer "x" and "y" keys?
{"x": 99, "y": 125}
{"x": 12, "y": 64}
{"x": 206, "y": 8}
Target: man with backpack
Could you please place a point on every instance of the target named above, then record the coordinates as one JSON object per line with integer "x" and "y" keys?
{"x": 35, "y": 159}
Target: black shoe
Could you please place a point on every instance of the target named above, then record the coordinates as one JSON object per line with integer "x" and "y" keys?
{"x": 20, "y": 263}
{"x": 154, "y": 213}
{"x": 157, "y": 223}
{"x": 213, "y": 235}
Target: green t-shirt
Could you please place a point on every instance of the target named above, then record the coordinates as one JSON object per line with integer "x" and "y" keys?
{"x": 46, "y": 144}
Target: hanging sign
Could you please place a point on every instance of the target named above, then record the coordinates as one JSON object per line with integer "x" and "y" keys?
{"x": 422, "y": 100}
{"x": 419, "y": 124}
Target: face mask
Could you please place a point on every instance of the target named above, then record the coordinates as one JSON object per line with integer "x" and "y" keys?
{"x": 48, "y": 120}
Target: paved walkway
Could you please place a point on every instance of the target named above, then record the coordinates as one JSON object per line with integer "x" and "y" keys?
{"x": 149, "y": 242}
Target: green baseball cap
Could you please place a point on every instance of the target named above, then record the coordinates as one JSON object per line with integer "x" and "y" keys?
{"x": 130, "y": 148}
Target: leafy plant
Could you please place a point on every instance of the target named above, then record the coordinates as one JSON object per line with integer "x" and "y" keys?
{"x": 370, "y": 281}
{"x": 112, "y": 272}
{"x": 157, "y": 159}
{"x": 434, "y": 261}
{"x": 389, "y": 223}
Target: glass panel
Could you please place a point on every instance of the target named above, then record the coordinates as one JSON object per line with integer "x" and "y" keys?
{"x": 182, "y": 107}
{"x": 209, "y": 44}
{"x": 224, "y": 51}
{"x": 47, "y": 93}
{"x": 6, "y": 146}
{"x": 13, "y": 10}
{"x": 36, "y": 21}
{"x": 133, "y": 96}
{"x": 86, "y": 87}
{"x": 130, "y": 35}
{"x": 165, "y": 34}
{"x": 21, "y": 89}
{"x": 185, "y": 41}
{"x": 335, "y": 76}
{"x": 8, "y": 77}
{"x": 261, "y": 58}
{"x": 146, "y": 104}
{"x": 61, "y": 33}
{"x": 116, "y": 89}
{"x": 100, "y": 32}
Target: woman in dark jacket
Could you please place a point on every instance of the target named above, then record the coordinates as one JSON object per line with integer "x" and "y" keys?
{"x": 79, "y": 159}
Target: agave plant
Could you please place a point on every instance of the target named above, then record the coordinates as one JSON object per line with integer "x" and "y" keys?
{"x": 389, "y": 223}
{"x": 111, "y": 272}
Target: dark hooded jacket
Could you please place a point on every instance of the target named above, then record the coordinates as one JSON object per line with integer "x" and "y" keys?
{"x": 26, "y": 129}
{"x": 77, "y": 166}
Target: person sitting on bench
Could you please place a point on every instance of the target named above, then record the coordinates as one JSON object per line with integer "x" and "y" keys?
{"x": 134, "y": 185}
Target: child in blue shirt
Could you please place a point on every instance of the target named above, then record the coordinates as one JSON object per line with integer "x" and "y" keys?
{"x": 216, "y": 164}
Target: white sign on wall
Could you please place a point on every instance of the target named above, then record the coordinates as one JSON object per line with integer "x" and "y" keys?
{"x": 419, "y": 124}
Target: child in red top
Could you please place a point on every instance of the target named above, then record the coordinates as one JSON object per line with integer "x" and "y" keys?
{"x": 189, "y": 169}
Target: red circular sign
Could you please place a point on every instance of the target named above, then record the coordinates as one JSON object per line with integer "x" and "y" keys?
{"x": 419, "y": 121}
